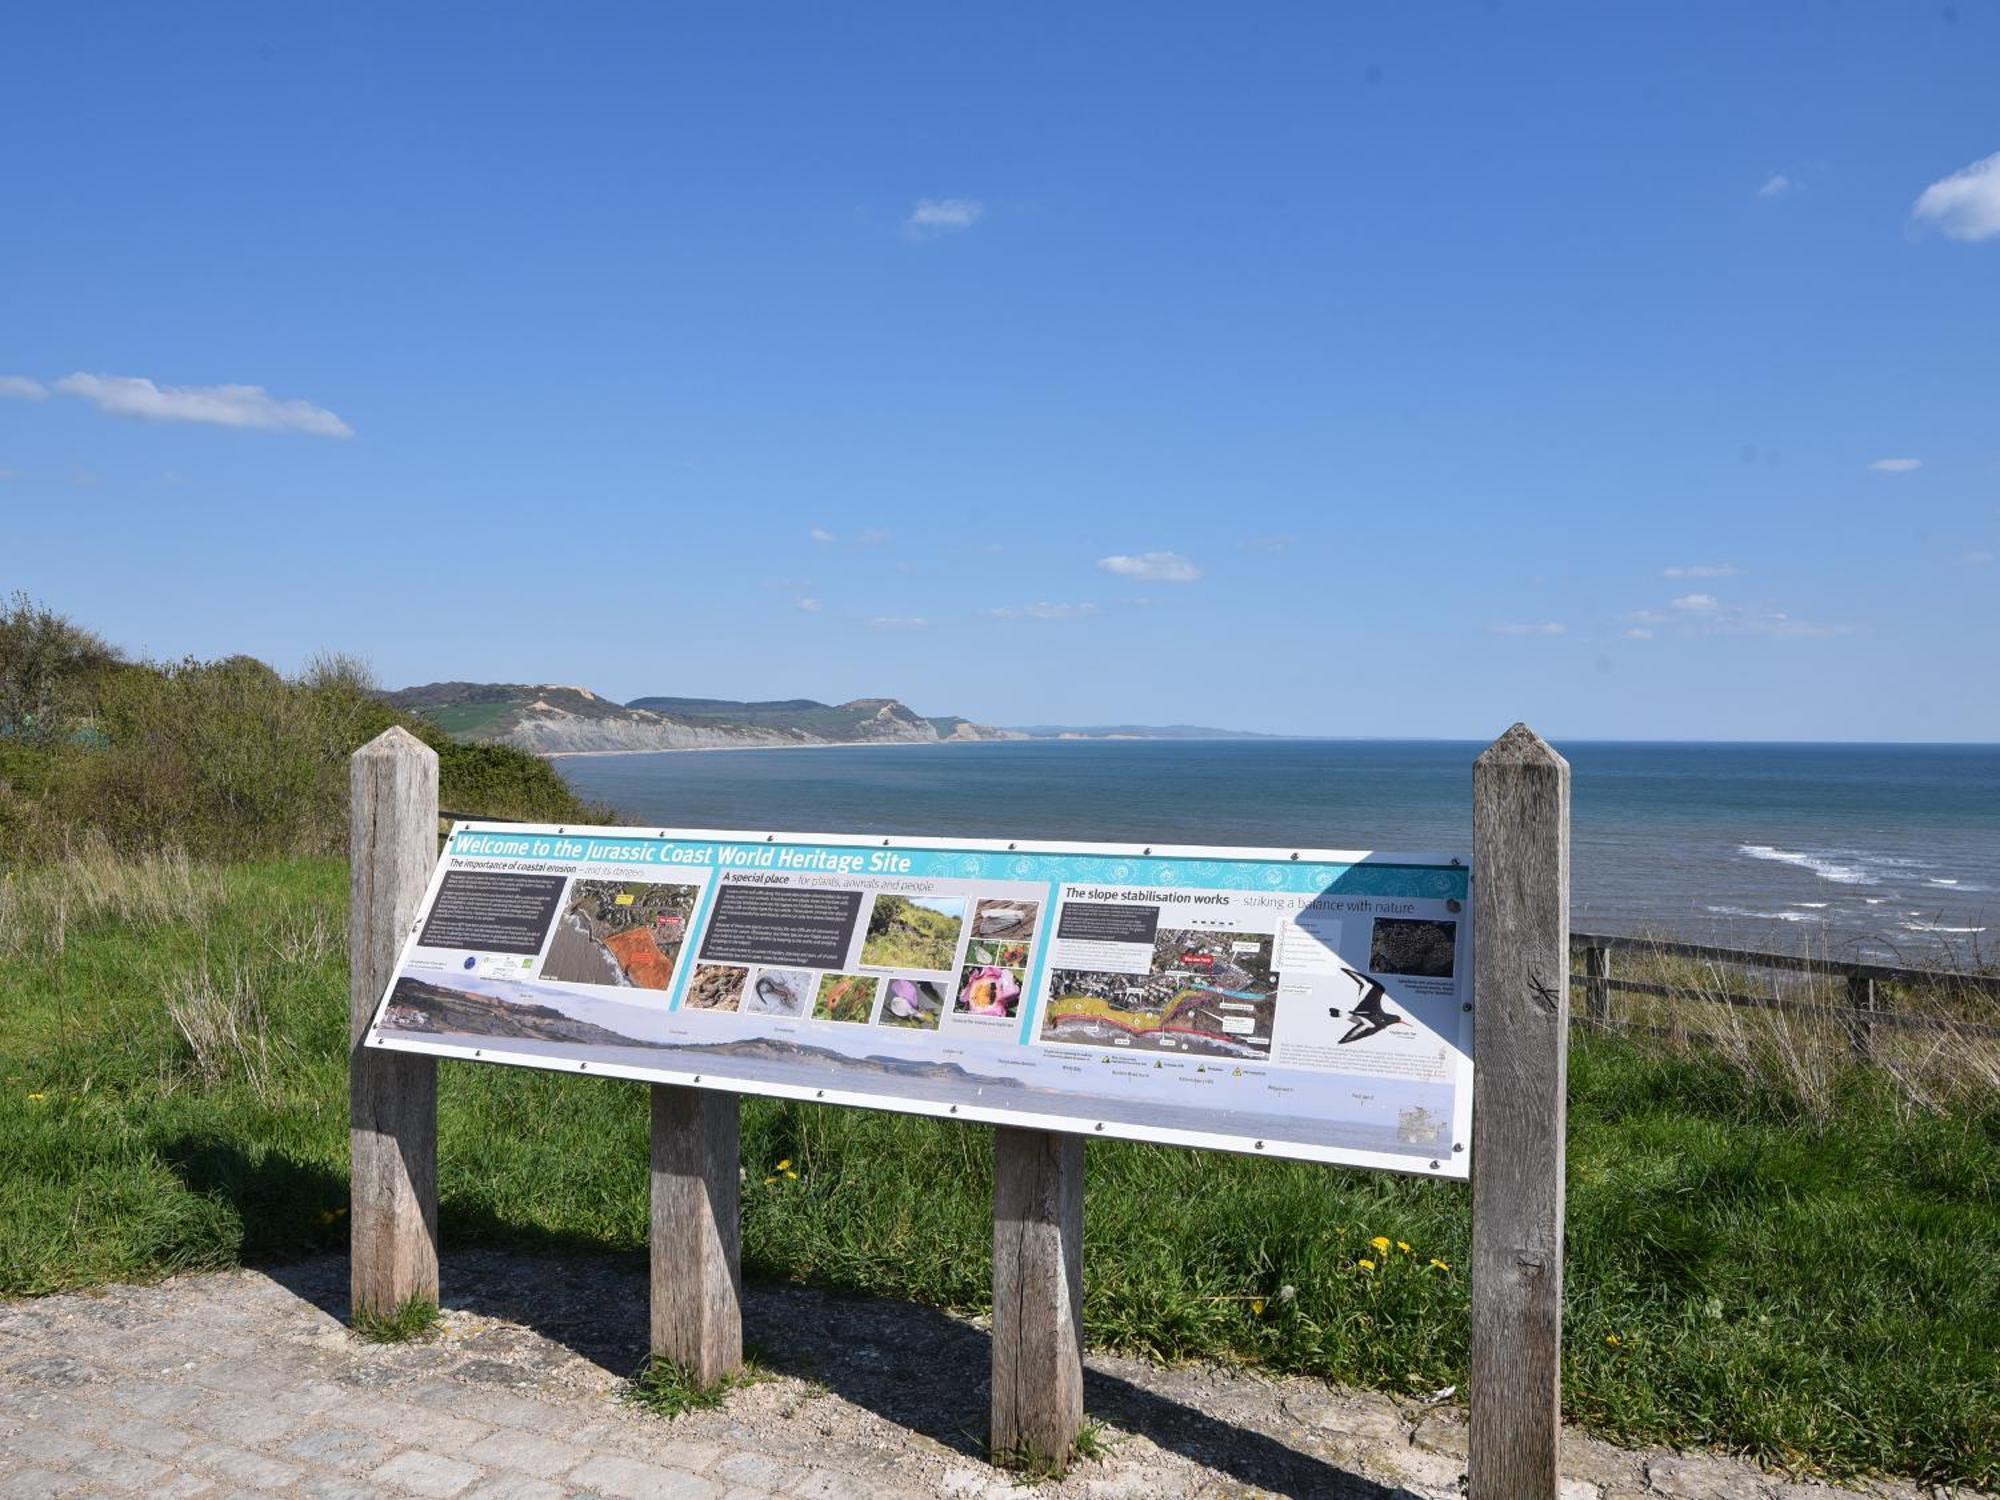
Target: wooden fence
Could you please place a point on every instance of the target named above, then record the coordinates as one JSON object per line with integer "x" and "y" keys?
{"x": 1870, "y": 988}
{"x": 1520, "y": 909}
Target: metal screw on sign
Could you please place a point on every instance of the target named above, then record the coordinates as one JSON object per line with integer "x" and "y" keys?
{"x": 1434, "y": 1166}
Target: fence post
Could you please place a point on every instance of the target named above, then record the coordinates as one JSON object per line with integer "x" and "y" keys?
{"x": 1861, "y": 995}
{"x": 1037, "y": 1294}
{"x": 697, "y": 1271}
{"x": 1597, "y": 982}
{"x": 1520, "y": 872}
{"x": 392, "y": 1096}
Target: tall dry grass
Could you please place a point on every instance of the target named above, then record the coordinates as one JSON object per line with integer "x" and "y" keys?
{"x": 90, "y": 882}
{"x": 1935, "y": 1039}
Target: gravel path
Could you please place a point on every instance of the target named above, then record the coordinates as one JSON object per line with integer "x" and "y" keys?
{"x": 248, "y": 1383}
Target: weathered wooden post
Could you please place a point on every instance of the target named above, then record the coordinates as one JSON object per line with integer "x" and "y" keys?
{"x": 697, "y": 1230}
{"x": 1520, "y": 872}
{"x": 1037, "y": 1294}
{"x": 392, "y": 1096}
{"x": 1597, "y": 981}
{"x": 1862, "y": 997}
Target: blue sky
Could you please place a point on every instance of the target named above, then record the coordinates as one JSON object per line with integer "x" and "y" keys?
{"x": 1331, "y": 369}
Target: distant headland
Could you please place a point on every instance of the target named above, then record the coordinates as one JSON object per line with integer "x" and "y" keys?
{"x": 552, "y": 719}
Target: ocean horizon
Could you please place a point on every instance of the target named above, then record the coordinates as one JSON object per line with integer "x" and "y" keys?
{"x": 1877, "y": 851}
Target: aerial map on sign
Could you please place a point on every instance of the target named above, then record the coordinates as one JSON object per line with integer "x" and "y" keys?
{"x": 1290, "y": 1002}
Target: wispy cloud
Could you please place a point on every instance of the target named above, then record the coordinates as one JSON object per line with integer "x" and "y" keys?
{"x": 1041, "y": 611}
{"x": 1278, "y": 542}
{"x": 1965, "y": 205}
{"x": 1546, "y": 627}
{"x": 821, "y": 534}
{"x": 213, "y": 405}
{"x": 809, "y": 605}
{"x": 1151, "y": 567}
{"x": 1979, "y": 559}
{"x": 899, "y": 622}
{"x": 1776, "y": 186}
{"x": 1896, "y": 465}
{"x": 1702, "y": 570}
{"x": 21, "y": 388}
{"x": 935, "y": 216}
{"x": 1705, "y": 614}
{"x": 872, "y": 536}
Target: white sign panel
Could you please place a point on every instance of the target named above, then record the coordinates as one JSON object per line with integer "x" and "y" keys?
{"x": 1296, "y": 1003}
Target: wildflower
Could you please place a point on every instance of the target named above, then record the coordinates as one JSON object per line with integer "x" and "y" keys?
{"x": 1404, "y": 1246}
{"x": 1381, "y": 1244}
{"x": 769, "y": 1180}
{"x": 38, "y": 1096}
{"x": 1366, "y": 1265}
{"x": 785, "y": 1165}
{"x": 790, "y": 1175}
{"x": 1613, "y": 1340}
{"x": 1257, "y": 1306}
{"x": 1287, "y": 1292}
{"x": 1440, "y": 1265}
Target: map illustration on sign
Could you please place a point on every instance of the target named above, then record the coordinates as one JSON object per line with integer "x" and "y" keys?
{"x": 1297, "y": 1003}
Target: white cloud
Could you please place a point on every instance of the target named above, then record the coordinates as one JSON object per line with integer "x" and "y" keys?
{"x": 898, "y": 622}
{"x": 1547, "y": 627}
{"x": 1704, "y": 614}
{"x": 21, "y": 388}
{"x": 1042, "y": 611}
{"x": 1896, "y": 465}
{"x": 810, "y": 606}
{"x": 1776, "y": 186}
{"x": 1702, "y": 570}
{"x": 935, "y": 216}
{"x": 1279, "y": 542}
{"x": 216, "y": 405}
{"x": 1965, "y": 205}
{"x": 820, "y": 534}
{"x": 873, "y": 536}
{"x": 1152, "y": 567}
{"x": 1979, "y": 559}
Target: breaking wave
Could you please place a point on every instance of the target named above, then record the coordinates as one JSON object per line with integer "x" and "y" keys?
{"x": 1826, "y": 869}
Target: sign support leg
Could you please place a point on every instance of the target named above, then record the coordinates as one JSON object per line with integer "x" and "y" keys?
{"x": 392, "y": 1096}
{"x": 1520, "y": 873}
{"x": 697, "y": 1274}
{"x": 1037, "y": 1294}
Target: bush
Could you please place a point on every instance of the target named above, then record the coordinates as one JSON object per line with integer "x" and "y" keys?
{"x": 226, "y": 759}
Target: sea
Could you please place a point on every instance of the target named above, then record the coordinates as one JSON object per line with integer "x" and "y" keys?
{"x": 1881, "y": 852}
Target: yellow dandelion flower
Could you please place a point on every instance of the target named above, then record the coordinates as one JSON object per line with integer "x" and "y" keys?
{"x": 1381, "y": 1244}
{"x": 38, "y": 1096}
{"x": 1441, "y": 1265}
{"x": 1404, "y": 1246}
{"x": 769, "y": 1180}
{"x": 1257, "y": 1306}
{"x": 1613, "y": 1340}
{"x": 1366, "y": 1265}
{"x": 785, "y": 1165}
{"x": 791, "y": 1175}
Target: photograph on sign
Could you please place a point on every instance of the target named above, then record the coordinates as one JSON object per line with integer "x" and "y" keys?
{"x": 1302, "y": 1004}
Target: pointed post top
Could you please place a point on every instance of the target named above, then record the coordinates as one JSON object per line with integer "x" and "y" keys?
{"x": 396, "y": 743}
{"x": 1521, "y": 746}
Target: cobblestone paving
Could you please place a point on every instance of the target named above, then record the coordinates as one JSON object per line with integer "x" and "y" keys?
{"x": 248, "y": 1383}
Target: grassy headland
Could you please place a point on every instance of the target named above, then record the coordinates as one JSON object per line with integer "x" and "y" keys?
{"x": 1813, "y": 1281}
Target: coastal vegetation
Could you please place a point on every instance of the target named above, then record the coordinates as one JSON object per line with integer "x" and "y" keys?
{"x": 1809, "y": 1275}
{"x": 223, "y": 759}
{"x": 1777, "y": 1246}
{"x": 906, "y": 934}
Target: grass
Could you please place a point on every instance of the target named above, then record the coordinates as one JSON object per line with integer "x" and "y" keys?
{"x": 418, "y": 1318}
{"x": 1030, "y": 1466}
{"x": 667, "y": 1388}
{"x": 1808, "y": 1277}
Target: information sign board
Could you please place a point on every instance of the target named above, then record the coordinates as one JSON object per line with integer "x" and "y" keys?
{"x": 1295, "y": 1003}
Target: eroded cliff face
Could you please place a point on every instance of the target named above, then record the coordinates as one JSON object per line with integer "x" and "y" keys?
{"x": 558, "y": 719}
